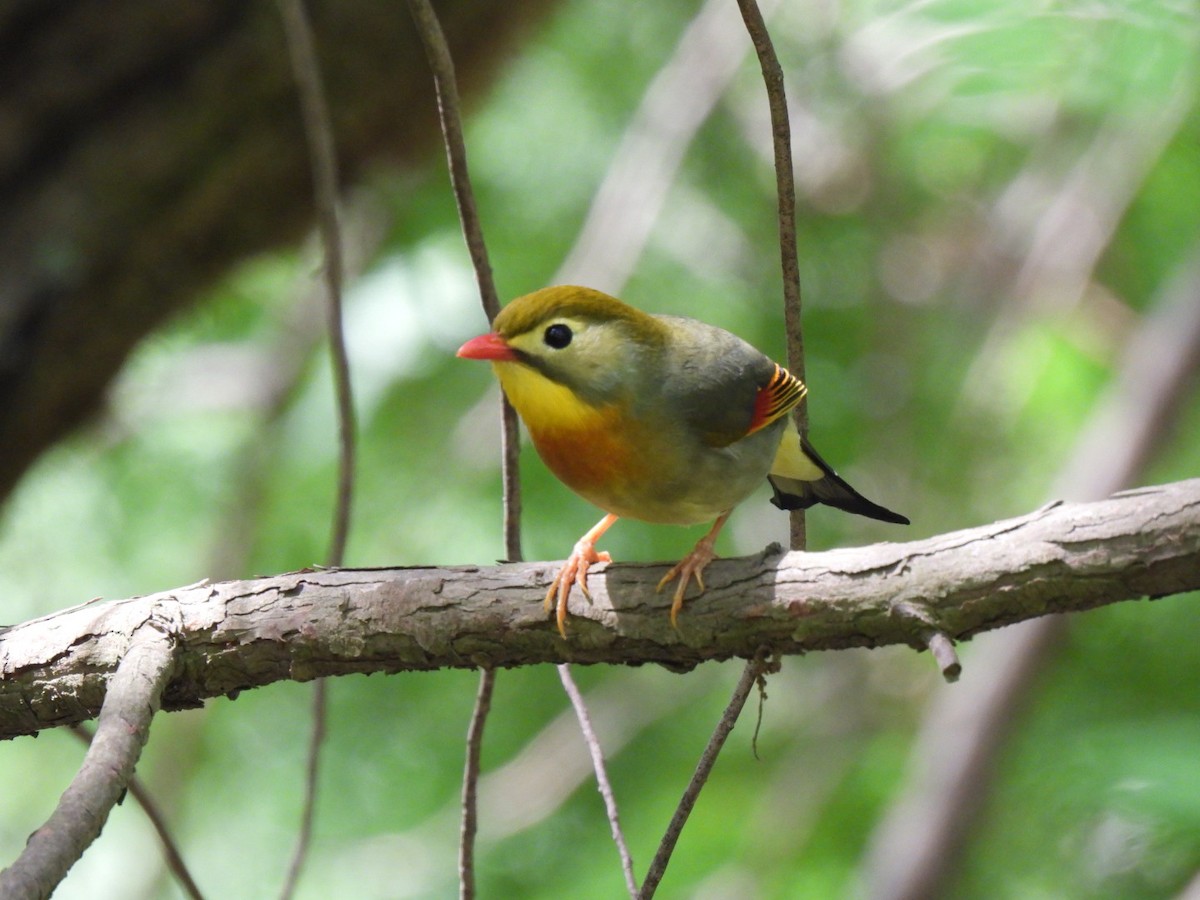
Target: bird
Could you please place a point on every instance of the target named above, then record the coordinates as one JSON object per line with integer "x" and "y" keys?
{"x": 659, "y": 418}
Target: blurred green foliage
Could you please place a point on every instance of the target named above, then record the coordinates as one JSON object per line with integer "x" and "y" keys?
{"x": 992, "y": 196}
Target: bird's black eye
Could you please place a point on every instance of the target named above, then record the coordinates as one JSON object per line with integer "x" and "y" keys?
{"x": 557, "y": 336}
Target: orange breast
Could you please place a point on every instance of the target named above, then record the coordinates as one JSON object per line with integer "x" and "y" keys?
{"x": 595, "y": 450}
{"x": 596, "y": 460}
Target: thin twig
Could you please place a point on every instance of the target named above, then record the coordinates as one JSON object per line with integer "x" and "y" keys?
{"x": 504, "y": 795}
{"x": 785, "y": 182}
{"x": 450, "y": 113}
{"x": 470, "y": 789}
{"x": 704, "y": 767}
{"x": 619, "y": 221}
{"x": 312, "y": 771}
{"x": 939, "y": 644}
{"x": 298, "y": 330}
{"x": 761, "y": 683}
{"x": 606, "y": 791}
{"x": 318, "y": 132}
{"x": 144, "y": 798}
{"x": 510, "y": 467}
{"x": 785, "y": 188}
{"x": 943, "y": 652}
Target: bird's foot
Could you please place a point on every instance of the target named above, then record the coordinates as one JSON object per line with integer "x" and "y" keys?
{"x": 574, "y": 571}
{"x": 691, "y": 566}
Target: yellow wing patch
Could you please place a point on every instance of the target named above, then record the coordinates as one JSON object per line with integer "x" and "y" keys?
{"x": 791, "y": 461}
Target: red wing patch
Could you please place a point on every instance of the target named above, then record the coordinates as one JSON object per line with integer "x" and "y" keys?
{"x": 777, "y": 397}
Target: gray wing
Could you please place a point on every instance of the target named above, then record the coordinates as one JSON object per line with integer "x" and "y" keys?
{"x": 712, "y": 379}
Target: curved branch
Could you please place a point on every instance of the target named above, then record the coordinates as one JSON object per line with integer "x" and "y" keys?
{"x": 132, "y": 699}
{"x": 172, "y": 855}
{"x": 303, "y": 625}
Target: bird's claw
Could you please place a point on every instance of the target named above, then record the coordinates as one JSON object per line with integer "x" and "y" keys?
{"x": 574, "y": 571}
{"x": 691, "y": 566}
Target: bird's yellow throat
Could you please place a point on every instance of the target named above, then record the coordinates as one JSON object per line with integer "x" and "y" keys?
{"x": 582, "y": 444}
{"x": 545, "y": 405}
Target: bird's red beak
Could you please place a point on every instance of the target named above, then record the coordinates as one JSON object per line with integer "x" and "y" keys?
{"x": 487, "y": 346}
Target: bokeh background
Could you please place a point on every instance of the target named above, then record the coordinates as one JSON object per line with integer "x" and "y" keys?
{"x": 997, "y": 201}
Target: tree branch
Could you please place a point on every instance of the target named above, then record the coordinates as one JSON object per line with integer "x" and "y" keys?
{"x": 445, "y": 84}
{"x": 171, "y": 852}
{"x": 601, "y": 769}
{"x": 658, "y": 866}
{"x": 785, "y": 191}
{"x": 318, "y": 132}
{"x": 302, "y": 625}
{"x": 132, "y": 698}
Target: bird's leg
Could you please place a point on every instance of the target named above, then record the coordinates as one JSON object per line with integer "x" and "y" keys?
{"x": 575, "y": 569}
{"x": 692, "y": 566}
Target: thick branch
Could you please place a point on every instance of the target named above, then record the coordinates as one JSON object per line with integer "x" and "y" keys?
{"x": 241, "y": 634}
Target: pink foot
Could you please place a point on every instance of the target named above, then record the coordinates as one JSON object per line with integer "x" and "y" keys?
{"x": 575, "y": 570}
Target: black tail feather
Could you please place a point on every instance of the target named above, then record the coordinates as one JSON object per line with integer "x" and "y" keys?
{"x": 791, "y": 493}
